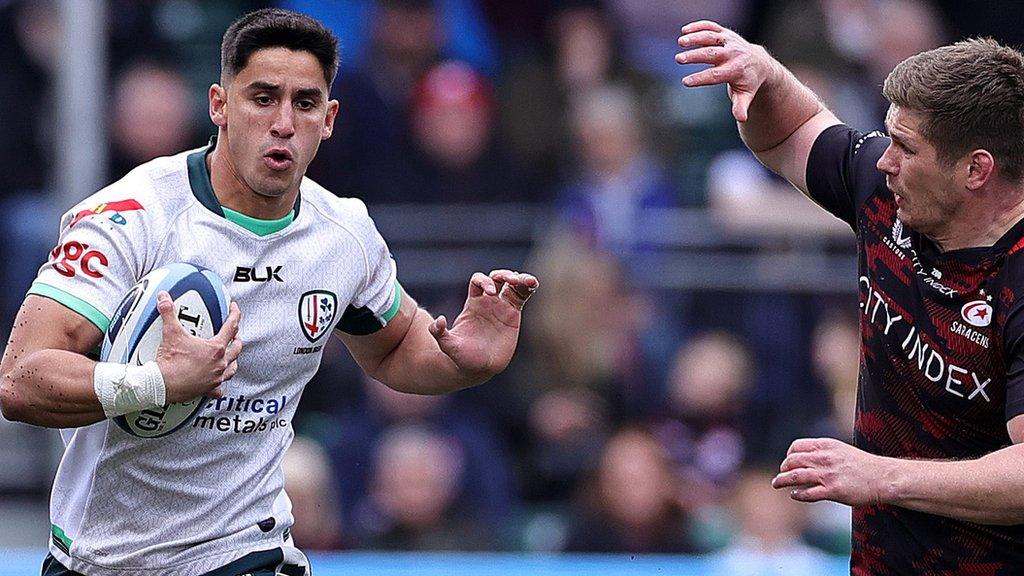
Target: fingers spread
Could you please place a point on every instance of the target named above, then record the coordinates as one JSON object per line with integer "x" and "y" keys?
{"x": 702, "y": 25}
{"x": 712, "y": 55}
{"x": 439, "y": 327}
{"x": 712, "y": 76}
{"x": 701, "y": 39}
{"x": 481, "y": 284}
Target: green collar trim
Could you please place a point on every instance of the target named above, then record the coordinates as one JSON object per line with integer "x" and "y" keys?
{"x": 202, "y": 188}
{"x": 257, "y": 226}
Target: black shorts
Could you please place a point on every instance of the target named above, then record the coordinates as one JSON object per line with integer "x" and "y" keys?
{"x": 262, "y": 563}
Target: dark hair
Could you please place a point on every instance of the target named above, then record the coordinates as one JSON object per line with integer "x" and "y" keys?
{"x": 271, "y": 28}
{"x": 972, "y": 96}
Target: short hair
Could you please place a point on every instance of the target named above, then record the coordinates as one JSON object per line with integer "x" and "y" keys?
{"x": 972, "y": 96}
{"x": 272, "y": 28}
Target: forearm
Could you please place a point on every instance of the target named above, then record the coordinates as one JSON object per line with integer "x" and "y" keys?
{"x": 781, "y": 106}
{"x": 989, "y": 490}
{"x": 51, "y": 388}
{"x": 418, "y": 366}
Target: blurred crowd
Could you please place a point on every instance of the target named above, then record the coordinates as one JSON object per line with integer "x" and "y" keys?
{"x": 634, "y": 418}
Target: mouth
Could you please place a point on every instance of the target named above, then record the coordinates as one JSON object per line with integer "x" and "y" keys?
{"x": 278, "y": 159}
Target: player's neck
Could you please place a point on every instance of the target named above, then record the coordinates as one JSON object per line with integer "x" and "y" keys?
{"x": 984, "y": 222}
{"x": 233, "y": 192}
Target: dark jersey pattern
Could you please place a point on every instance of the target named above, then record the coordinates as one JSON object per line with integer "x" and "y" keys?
{"x": 940, "y": 368}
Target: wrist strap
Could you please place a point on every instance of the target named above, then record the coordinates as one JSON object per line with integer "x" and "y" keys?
{"x": 124, "y": 388}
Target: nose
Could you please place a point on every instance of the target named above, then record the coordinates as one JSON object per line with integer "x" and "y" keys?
{"x": 284, "y": 123}
{"x": 887, "y": 163}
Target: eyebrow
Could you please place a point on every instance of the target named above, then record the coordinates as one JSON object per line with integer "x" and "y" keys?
{"x": 314, "y": 93}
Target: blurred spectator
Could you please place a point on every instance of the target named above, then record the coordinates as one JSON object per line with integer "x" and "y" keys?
{"x": 456, "y": 155}
{"x": 366, "y": 155}
{"x": 151, "y": 116}
{"x": 464, "y": 28}
{"x": 540, "y": 89}
{"x": 586, "y": 370}
{"x": 414, "y": 502}
{"x": 768, "y": 542}
{"x": 835, "y": 352}
{"x": 309, "y": 482}
{"x": 30, "y": 36}
{"x": 650, "y": 28}
{"x": 618, "y": 182}
{"x": 633, "y": 505}
{"x": 483, "y": 485}
{"x": 703, "y": 427}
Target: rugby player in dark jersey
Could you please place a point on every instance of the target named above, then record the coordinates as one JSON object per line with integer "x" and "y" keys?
{"x": 936, "y": 479}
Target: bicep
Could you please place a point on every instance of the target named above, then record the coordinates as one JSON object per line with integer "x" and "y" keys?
{"x": 370, "y": 350}
{"x": 789, "y": 158}
{"x": 45, "y": 324}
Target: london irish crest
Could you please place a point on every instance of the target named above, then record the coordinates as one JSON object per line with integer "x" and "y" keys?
{"x": 316, "y": 312}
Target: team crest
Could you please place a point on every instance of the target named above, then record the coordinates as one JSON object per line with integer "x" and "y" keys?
{"x": 977, "y": 313}
{"x": 316, "y": 312}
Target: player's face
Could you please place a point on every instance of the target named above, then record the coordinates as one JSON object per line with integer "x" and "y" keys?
{"x": 926, "y": 195}
{"x": 276, "y": 113}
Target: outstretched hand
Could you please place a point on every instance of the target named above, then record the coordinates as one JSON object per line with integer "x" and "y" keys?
{"x": 742, "y": 66}
{"x": 483, "y": 337}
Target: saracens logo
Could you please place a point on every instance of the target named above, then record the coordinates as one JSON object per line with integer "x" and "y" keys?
{"x": 977, "y": 313}
{"x": 316, "y": 312}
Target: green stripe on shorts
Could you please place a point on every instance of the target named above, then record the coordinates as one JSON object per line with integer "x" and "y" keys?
{"x": 60, "y": 535}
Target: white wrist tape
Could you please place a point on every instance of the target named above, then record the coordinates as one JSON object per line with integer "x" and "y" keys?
{"x": 125, "y": 388}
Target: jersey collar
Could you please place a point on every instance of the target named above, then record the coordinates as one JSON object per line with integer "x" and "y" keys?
{"x": 202, "y": 186}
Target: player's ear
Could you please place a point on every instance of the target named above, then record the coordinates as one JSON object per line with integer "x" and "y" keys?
{"x": 980, "y": 168}
{"x": 218, "y": 105}
{"x": 332, "y": 113}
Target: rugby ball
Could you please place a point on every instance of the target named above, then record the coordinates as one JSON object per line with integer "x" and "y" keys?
{"x": 136, "y": 330}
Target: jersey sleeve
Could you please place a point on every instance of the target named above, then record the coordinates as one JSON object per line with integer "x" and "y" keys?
{"x": 841, "y": 172}
{"x": 381, "y": 295}
{"x": 99, "y": 256}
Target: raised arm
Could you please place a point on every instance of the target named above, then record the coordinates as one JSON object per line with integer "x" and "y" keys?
{"x": 778, "y": 117}
{"x": 419, "y": 354}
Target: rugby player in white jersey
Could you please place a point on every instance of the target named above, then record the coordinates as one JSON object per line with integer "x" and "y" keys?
{"x": 209, "y": 498}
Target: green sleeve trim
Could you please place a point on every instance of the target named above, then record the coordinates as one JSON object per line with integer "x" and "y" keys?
{"x": 60, "y": 535}
{"x": 73, "y": 302}
{"x": 395, "y": 304}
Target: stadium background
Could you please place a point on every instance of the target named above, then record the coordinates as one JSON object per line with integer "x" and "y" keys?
{"x": 696, "y": 315}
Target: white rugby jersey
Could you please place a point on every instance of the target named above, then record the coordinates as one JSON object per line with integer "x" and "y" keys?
{"x": 211, "y": 492}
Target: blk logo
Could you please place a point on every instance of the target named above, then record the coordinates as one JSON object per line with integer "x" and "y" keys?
{"x": 266, "y": 274}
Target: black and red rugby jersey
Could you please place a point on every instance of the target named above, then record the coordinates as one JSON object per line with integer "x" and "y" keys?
{"x": 941, "y": 367}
